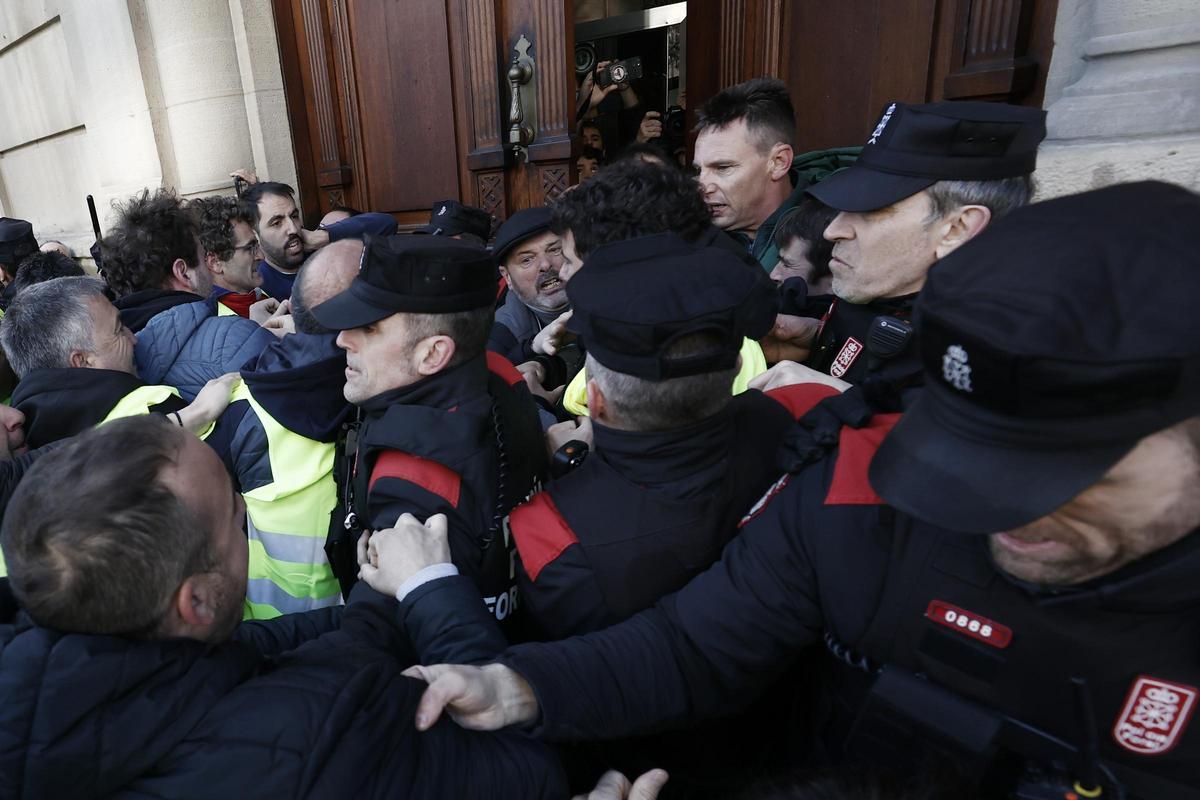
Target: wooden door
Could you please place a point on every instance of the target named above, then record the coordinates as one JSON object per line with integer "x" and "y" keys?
{"x": 397, "y": 104}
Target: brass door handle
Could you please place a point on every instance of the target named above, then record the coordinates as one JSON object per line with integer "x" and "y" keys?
{"x": 522, "y": 107}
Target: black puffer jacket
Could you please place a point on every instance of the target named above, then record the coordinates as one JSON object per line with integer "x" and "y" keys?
{"x": 93, "y": 716}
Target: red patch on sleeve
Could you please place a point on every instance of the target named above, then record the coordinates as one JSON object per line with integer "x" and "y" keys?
{"x": 856, "y": 448}
{"x": 541, "y": 533}
{"x": 800, "y": 398}
{"x": 429, "y": 475}
{"x": 502, "y": 368}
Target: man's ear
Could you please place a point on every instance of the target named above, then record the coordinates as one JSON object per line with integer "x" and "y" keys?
{"x": 79, "y": 358}
{"x": 179, "y": 276}
{"x": 597, "y": 405}
{"x": 193, "y": 610}
{"x": 434, "y": 353}
{"x": 780, "y": 160}
{"x": 965, "y": 224}
{"x": 213, "y": 263}
{"x": 504, "y": 272}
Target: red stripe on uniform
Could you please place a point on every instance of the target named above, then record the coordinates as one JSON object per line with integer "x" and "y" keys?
{"x": 799, "y": 398}
{"x": 541, "y": 533}
{"x": 502, "y": 368}
{"x": 429, "y": 475}
{"x": 856, "y": 448}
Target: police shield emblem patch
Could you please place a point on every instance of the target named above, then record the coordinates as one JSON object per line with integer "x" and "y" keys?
{"x": 1155, "y": 714}
{"x": 845, "y": 357}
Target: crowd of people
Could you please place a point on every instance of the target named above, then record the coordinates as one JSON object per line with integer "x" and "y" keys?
{"x": 845, "y": 474}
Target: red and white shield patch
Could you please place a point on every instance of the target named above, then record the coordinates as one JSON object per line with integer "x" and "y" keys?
{"x": 1154, "y": 716}
{"x": 845, "y": 357}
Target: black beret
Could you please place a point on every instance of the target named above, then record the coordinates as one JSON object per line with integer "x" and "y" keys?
{"x": 424, "y": 275}
{"x": 633, "y": 299}
{"x": 519, "y": 227}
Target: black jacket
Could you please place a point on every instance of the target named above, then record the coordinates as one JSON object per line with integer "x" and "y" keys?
{"x": 138, "y": 308}
{"x": 824, "y": 562}
{"x": 306, "y": 705}
{"x": 843, "y": 350}
{"x": 58, "y": 403}
{"x": 433, "y": 448}
{"x": 644, "y": 514}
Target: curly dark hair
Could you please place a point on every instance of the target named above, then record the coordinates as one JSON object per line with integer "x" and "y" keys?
{"x": 764, "y": 104}
{"x": 807, "y": 222}
{"x": 628, "y": 199}
{"x": 152, "y": 231}
{"x": 44, "y": 266}
{"x": 215, "y": 217}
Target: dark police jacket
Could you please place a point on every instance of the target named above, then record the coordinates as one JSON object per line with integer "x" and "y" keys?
{"x": 907, "y": 611}
{"x": 645, "y": 513}
{"x": 304, "y": 706}
{"x": 842, "y": 350}
{"x": 466, "y": 443}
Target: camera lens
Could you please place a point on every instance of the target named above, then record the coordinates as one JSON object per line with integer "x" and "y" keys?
{"x": 585, "y": 58}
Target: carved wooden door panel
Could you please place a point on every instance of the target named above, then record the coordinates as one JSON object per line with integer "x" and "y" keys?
{"x": 397, "y": 105}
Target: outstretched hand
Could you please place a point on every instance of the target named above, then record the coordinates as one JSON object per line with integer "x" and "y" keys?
{"x": 389, "y": 557}
{"x": 480, "y": 698}
{"x": 615, "y": 786}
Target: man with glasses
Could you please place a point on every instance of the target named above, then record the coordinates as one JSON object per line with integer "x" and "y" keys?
{"x": 231, "y": 253}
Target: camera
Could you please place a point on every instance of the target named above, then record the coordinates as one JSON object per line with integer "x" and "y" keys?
{"x": 619, "y": 72}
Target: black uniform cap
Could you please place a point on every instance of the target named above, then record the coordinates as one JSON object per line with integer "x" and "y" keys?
{"x": 914, "y": 146}
{"x": 1052, "y": 343}
{"x": 16, "y": 241}
{"x": 424, "y": 275}
{"x": 450, "y": 218}
{"x": 519, "y": 227}
{"x": 633, "y": 299}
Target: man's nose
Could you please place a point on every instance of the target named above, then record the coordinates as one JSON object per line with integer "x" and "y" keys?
{"x": 839, "y": 228}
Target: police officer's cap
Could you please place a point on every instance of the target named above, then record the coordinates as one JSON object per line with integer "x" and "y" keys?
{"x": 1052, "y": 343}
{"x": 416, "y": 274}
{"x": 519, "y": 227}
{"x": 451, "y": 218}
{"x": 634, "y": 299}
{"x": 16, "y": 241}
{"x": 913, "y": 147}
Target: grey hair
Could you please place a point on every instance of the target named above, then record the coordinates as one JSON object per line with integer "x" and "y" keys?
{"x": 46, "y": 322}
{"x": 1000, "y": 196}
{"x": 638, "y": 404}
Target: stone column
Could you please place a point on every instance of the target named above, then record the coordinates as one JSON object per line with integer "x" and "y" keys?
{"x": 1122, "y": 95}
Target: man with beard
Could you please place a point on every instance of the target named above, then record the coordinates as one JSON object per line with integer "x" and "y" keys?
{"x": 530, "y": 257}
{"x": 285, "y": 241}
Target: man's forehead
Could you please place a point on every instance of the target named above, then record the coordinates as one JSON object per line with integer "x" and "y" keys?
{"x": 272, "y": 204}
{"x": 534, "y": 244}
{"x": 732, "y": 141}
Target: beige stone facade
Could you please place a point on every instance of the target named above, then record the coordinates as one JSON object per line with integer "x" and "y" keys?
{"x": 106, "y": 97}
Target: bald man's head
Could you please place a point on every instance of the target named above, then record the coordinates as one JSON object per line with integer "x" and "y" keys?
{"x": 327, "y": 272}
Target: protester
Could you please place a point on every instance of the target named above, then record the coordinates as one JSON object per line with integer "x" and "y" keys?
{"x": 43, "y": 266}
{"x": 129, "y": 635}
{"x": 230, "y": 253}
{"x": 154, "y": 263}
{"x": 74, "y": 358}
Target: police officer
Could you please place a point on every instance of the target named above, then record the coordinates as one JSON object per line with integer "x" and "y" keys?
{"x": 1007, "y": 586}
{"x": 677, "y": 459}
{"x": 447, "y": 428}
{"x": 930, "y": 178}
{"x": 16, "y": 242}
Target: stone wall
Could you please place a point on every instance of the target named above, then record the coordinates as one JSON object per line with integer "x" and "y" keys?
{"x": 107, "y": 97}
{"x": 1122, "y": 95}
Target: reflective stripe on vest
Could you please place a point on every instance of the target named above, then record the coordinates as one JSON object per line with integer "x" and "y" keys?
{"x": 754, "y": 363}
{"x": 139, "y": 402}
{"x": 287, "y": 522}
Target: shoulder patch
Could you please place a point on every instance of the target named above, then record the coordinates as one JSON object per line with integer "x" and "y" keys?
{"x": 541, "y": 533}
{"x": 502, "y": 368}
{"x": 429, "y": 475}
{"x": 856, "y": 448}
{"x": 800, "y": 398}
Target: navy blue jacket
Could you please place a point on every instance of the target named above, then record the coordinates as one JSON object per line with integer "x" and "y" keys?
{"x": 279, "y": 284}
{"x": 823, "y": 561}
{"x": 306, "y": 705}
